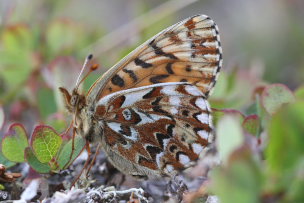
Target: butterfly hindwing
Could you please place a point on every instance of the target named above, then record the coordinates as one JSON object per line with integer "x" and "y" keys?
{"x": 161, "y": 128}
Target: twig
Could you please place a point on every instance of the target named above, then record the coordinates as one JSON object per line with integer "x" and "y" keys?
{"x": 119, "y": 35}
{"x": 8, "y": 177}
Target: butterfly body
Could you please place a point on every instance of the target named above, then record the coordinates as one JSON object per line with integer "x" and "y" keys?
{"x": 150, "y": 111}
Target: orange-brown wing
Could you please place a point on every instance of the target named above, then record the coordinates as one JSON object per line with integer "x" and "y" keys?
{"x": 189, "y": 51}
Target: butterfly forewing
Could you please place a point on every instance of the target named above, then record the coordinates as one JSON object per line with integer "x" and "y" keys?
{"x": 188, "y": 51}
{"x": 157, "y": 129}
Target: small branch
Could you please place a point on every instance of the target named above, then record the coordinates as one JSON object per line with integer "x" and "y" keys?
{"x": 8, "y": 177}
{"x": 119, "y": 35}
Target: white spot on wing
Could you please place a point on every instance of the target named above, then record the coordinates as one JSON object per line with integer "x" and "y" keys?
{"x": 203, "y": 118}
{"x": 111, "y": 108}
{"x": 201, "y": 103}
{"x": 134, "y": 97}
{"x": 192, "y": 90}
{"x": 169, "y": 90}
{"x": 203, "y": 134}
{"x": 148, "y": 119}
{"x": 184, "y": 159}
{"x": 175, "y": 101}
{"x": 207, "y": 105}
{"x": 134, "y": 135}
{"x": 197, "y": 148}
{"x": 212, "y": 56}
{"x": 158, "y": 158}
{"x": 210, "y": 44}
{"x": 115, "y": 126}
{"x": 166, "y": 141}
{"x": 173, "y": 110}
{"x": 169, "y": 168}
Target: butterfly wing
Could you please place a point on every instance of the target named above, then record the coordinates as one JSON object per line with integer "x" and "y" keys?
{"x": 189, "y": 51}
{"x": 157, "y": 129}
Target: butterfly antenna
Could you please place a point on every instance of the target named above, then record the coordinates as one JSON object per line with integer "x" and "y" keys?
{"x": 85, "y": 65}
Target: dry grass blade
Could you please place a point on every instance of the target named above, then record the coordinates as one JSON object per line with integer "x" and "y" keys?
{"x": 154, "y": 15}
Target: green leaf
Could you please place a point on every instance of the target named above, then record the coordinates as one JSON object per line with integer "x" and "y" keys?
{"x": 239, "y": 181}
{"x": 276, "y": 95}
{"x": 217, "y": 114}
{"x": 299, "y": 93}
{"x": 57, "y": 122}
{"x": 14, "y": 143}
{"x": 7, "y": 163}
{"x": 252, "y": 124}
{"x": 286, "y": 138}
{"x": 1, "y": 117}
{"x": 46, "y": 102}
{"x": 62, "y": 35}
{"x": 64, "y": 158}
{"x": 45, "y": 143}
{"x": 16, "y": 59}
{"x": 35, "y": 163}
{"x": 218, "y": 97}
{"x": 256, "y": 107}
{"x": 295, "y": 189}
{"x": 229, "y": 136}
{"x": 17, "y": 37}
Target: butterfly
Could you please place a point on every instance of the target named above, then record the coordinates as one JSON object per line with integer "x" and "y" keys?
{"x": 150, "y": 111}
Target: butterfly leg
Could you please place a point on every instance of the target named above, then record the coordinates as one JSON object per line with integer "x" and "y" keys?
{"x": 93, "y": 160}
{"x": 73, "y": 144}
{"x": 86, "y": 163}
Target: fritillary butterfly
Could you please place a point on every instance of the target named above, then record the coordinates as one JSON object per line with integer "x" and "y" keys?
{"x": 150, "y": 111}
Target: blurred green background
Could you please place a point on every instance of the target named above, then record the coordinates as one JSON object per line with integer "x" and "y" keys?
{"x": 43, "y": 43}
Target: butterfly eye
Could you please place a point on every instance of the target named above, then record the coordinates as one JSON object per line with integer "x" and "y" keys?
{"x": 74, "y": 100}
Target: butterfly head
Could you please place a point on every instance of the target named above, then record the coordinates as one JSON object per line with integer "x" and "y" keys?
{"x": 73, "y": 102}
{"x": 76, "y": 103}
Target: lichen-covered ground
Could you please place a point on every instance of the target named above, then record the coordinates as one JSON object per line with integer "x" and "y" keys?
{"x": 106, "y": 184}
